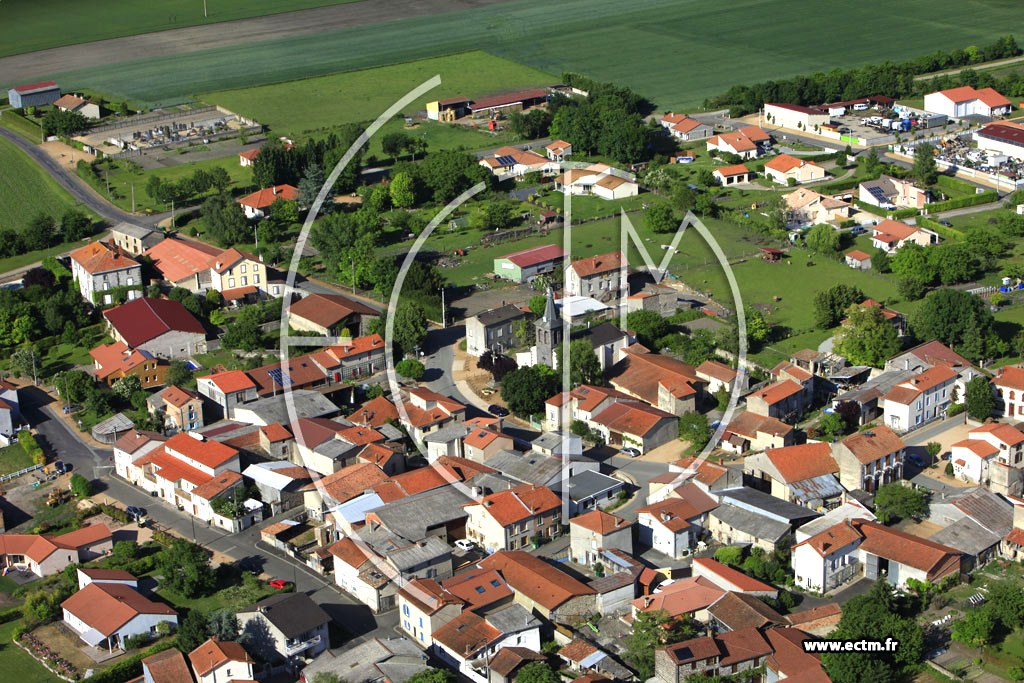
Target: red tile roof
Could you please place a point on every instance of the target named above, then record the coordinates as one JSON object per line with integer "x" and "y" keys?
{"x": 741, "y": 581}
{"x": 738, "y": 141}
{"x": 249, "y": 154}
{"x": 217, "y": 485}
{"x": 466, "y": 634}
{"x": 100, "y": 257}
{"x": 631, "y": 417}
{"x": 749, "y": 424}
{"x": 427, "y": 595}
{"x": 117, "y": 357}
{"x": 1004, "y": 432}
{"x": 206, "y": 452}
{"x": 980, "y": 448}
{"x": 275, "y": 432}
{"x": 361, "y": 436}
{"x": 682, "y": 597}
{"x": 965, "y": 93}
{"x": 858, "y": 255}
{"x": 107, "y": 607}
{"x": 832, "y": 539}
{"x": 327, "y": 310}
{"x": 375, "y": 412}
{"x": 640, "y": 373}
{"x": 531, "y": 257}
{"x": 672, "y": 513}
{"x": 875, "y": 443}
{"x": 177, "y": 396}
{"x": 600, "y": 522}
{"x": 937, "y": 353}
{"x": 906, "y": 392}
{"x": 1011, "y": 377}
{"x": 785, "y": 163}
{"x": 511, "y": 658}
{"x": 595, "y": 265}
{"x": 177, "y": 259}
{"x": 29, "y": 87}
{"x": 134, "y": 440}
{"x": 144, "y": 319}
{"x": 704, "y": 471}
{"x": 778, "y": 391}
{"x": 797, "y": 463}
{"x": 518, "y": 503}
{"x": 215, "y": 652}
{"x": 537, "y": 580}
{"x": 168, "y": 666}
{"x": 890, "y": 231}
{"x": 230, "y": 381}
{"x": 478, "y": 587}
{"x": 719, "y": 371}
{"x": 262, "y": 199}
{"x": 1016, "y": 536}
{"x": 936, "y": 560}
{"x": 577, "y": 650}
{"x": 794, "y": 107}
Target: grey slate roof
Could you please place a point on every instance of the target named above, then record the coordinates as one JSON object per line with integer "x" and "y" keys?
{"x": 751, "y": 523}
{"x": 988, "y": 509}
{"x": 412, "y": 516}
{"x": 447, "y": 434}
{"x": 585, "y": 484}
{"x": 499, "y": 315}
{"x": 599, "y": 335}
{"x": 821, "y": 487}
{"x": 292, "y": 613}
{"x": 876, "y": 387}
{"x": 557, "y": 442}
{"x": 422, "y": 552}
{"x": 765, "y": 504}
{"x": 529, "y": 468}
{"x": 336, "y": 449}
{"x": 137, "y": 231}
{"x": 391, "y": 432}
{"x": 393, "y": 659}
{"x": 967, "y": 536}
{"x": 513, "y": 618}
{"x": 308, "y": 403}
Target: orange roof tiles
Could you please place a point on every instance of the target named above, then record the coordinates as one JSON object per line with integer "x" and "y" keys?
{"x": 1010, "y": 377}
{"x": 117, "y": 357}
{"x": 327, "y": 310}
{"x": 262, "y": 199}
{"x": 348, "y": 482}
{"x": 936, "y": 560}
{"x": 906, "y": 392}
{"x": 275, "y": 432}
{"x": 206, "y": 452}
{"x": 738, "y": 141}
{"x": 778, "y": 391}
{"x": 640, "y": 373}
{"x": 478, "y": 587}
{"x": 577, "y": 650}
{"x": 107, "y": 607}
{"x": 466, "y": 634}
{"x": 893, "y": 231}
{"x": 832, "y": 539}
{"x": 748, "y": 424}
{"x": 682, "y": 597}
{"x": 873, "y": 444}
{"x": 672, "y": 513}
{"x": 736, "y": 169}
{"x": 361, "y": 436}
{"x": 596, "y": 265}
{"x": 217, "y": 485}
{"x": 427, "y": 595}
{"x": 797, "y": 463}
{"x": 600, "y": 522}
{"x": 537, "y": 580}
{"x": 719, "y": 371}
{"x": 631, "y": 417}
{"x": 177, "y": 259}
{"x": 375, "y": 412}
{"x": 1016, "y": 536}
{"x": 177, "y": 396}
{"x": 1004, "y": 432}
{"x": 785, "y": 163}
{"x": 230, "y": 381}
{"x": 705, "y": 471}
{"x": 168, "y": 666}
{"x": 982, "y": 449}
{"x": 736, "y": 578}
{"x": 481, "y": 438}
{"x": 518, "y": 503}
{"x": 965, "y": 93}
{"x": 100, "y": 257}
{"x": 215, "y": 652}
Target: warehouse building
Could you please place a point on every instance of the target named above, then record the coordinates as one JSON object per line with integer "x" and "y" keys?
{"x": 33, "y": 94}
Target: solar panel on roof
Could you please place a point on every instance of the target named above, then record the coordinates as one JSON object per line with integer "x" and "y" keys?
{"x": 507, "y": 160}
{"x": 877, "y": 193}
{"x": 277, "y": 376}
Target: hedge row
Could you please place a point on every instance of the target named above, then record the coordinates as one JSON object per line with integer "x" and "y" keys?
{"x": 954, "y": 184}
{"x": 942, "y": 231}
{"x": 129, "y": 668}
{"x": 845, "y": 184}
{"x": 904, "y": 213}
{"x": 871, "y": 208}
{"x": 958, "y": 203}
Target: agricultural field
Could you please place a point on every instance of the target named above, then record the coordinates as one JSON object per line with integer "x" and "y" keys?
{"x": 27, "y": 28}
{"x": 676, "y": 52}
{"x": 27, "y": 189}
{"x": 316, "y": 103}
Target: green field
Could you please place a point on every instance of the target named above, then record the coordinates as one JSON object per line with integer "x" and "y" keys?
{"x": 357, "y": 96}
{"x": 15, "y": 663}
{"x": 26, "y": 27}
{"x": 677, "y": 52}
{"x": 27, "y": 189}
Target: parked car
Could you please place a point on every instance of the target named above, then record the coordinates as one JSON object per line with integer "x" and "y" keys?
{"x": 916, "y": 459}
{"x": 249, "y": 564}
{"x": 279, "y": 584}
{"x": 497, "y": 410}
{"x": 135, "y": 511}
{"x": 858, "y": 230}
{"x": 465, "y": 544}
{"x": 631, "y": 452}
{"x": 945, "y": 223}
{"x": 59, "y": 465}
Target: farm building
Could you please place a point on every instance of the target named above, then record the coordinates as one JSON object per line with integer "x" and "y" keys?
{"x": 1002, "y": 138}
{"x": 514, "y": 101}
{"x": 447, "y": 109}
{"x": 525, "y": 265}
{"x": 84, "y": 107}
{"x": 33, "y": 94}
{"x": 794, "y": 116}
{"x": 966, "y": 101}
{"x": 858, "y": 260}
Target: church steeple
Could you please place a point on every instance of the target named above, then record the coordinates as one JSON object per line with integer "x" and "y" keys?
{"x": 549, "y": 332}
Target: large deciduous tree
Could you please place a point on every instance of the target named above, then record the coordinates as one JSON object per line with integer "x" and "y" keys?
{"x": 829, "y": 304}
{"x": 866, "y": 337}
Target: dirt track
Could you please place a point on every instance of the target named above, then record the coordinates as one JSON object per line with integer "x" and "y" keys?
{"x": 26, "y": 67}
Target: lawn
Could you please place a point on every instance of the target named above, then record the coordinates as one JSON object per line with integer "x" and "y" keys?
{"x": 588, "y": 207}
{"x": 26, "y": 27}
{"x": 121, "y": 175}
{"x": 15, "y": 663}
{"x": 27, "y": 190}
{"x": 440, "y": 136}
{"x": 357, "y": 96}
{"x": 14, "y": 458}
{"x": 20, "y": 125}
{"x": 677, "y": 52}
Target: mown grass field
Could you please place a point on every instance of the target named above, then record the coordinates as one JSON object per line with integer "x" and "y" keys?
{"x": 312, "y": 103}
{"x": 27, "y": 27}
{"x": 677, "y": 52}
{"x": 27, "y": 189}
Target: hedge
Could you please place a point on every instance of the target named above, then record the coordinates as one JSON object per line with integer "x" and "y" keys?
{"x": 942, "y": 231}
{"x": 958, "y": 203}
{"x": 129, "y": 668}
{"x": 871, "y": 208}
{"x": 956, "y": 185}
{"x": 845, "y": 184}
{"x": 904, "y": 213}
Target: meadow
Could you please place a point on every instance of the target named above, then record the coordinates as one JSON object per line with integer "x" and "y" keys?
{"x": 27, "y": 28}
{"x": 27, "y": 189}
{"x": 676, "y": 52}
{"x": 300, "y": 106}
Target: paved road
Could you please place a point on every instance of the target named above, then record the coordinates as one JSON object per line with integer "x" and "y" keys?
{"x": 986, "y": 65}
{"x": 27, "y": 67}
{"x": 62, "y": 443}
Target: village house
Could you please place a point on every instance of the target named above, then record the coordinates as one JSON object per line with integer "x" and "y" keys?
{"x": 636, "y": 425}
{"x": 493, "y": 330}
{"x": 731, "y": 579}
{"x": 286, "y": 626}
{"x": 517, "y": 162}
{"x": 747, "y": 515}
{"x": 200, "y": 267}
{"x": 592, "y": 533}
{"x": 785, "y": 168}
{"x": 539, "y": 586}
{"x": 558, "y": 150}
{"x": 106, "y": 274}
{"x": 732, "y": 175}
{"x": 858, "y": 260}
{"x": 778, "y": 650}
{"x": 598, "y": 180}
{"x": 892, "y": 193}
{"x": 167, "y": 666}
{"x": 684, "y": 598}
{"x": 919, "y": 399}
{"x": 182, "y": 409}
{"x": 115, "y": 361}
{"x": 784, "y": 400}
{"x": 11, "y": 419}
{"x": 748, "y": 142}
{"x": 45, "y": 554}
{"x": 135, "y": 239}
{"x": 890, "y": 235}
{"x": 807, "y": 207}
{"x": 682, "y": 127}
{"x": 869, "y": 459}
{"x": 427, "y": 411}
{"x": 349, "y": 360}
{"x": 104, "y": 613}
{"x": 425, "y": 606}
{"x": 1008, "y": 385}
{"x": 221, "y": 661}
{"x": 257, "y": 204}
{"x": 509, "y": 520}
{"x": 331, "y": 315}
{"x": 73, "y": 103}
{"x": 673, "y": 526}
{"x": 601, "y": 277}
{"x": 469, "y": 642}
{"x": 660, "y": 381}
{"x": 804, "y": 474}
{"x": 749, "y": 431}
{"x": 524, "y": 266}
{"x": 228, "y": 389}
{"x": 160, "y": 327}
{"x": 994, "y": 442}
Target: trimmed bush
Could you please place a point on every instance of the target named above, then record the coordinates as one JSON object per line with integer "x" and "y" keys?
{"x": 942, "y": 231}
{"x": 985, "y": 197}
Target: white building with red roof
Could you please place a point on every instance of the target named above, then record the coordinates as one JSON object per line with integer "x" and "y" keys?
{"x": 890, "y": 235}
{"x": 967, "y": 101}
{"x": 162, "y": 327}
{"x": 106, "y": 273}
{"x": 674, "y": 525}
{"x": 104, "y": 615}
{"x": 507, "y": 520}
{"x": 731, "y": 579}
{"x": 44, "y": 554}
{"x": 784, "y": 168}
{"x": 599, "y": 180}
{"x": 200, "y": 267}
{"x": 993, "y": 442}
{"x": 732, "y": 175}
{"x": 601, "y": 277}
{"x": 558, "y": 150}
{"x": 427, "y": 411}
{"x": 33, "y": 94}
{"x": 228, "y": 389}
{"x": 637, "y": 425}
{"x": 747, "y": 142}
{"x": 257, "y": 204}
{"x": 682, "y": 127}
{"x": 795, "y": 116}
{"x": 784, "y": 400}
{"x": 597, "y": 531}
{"x": 517, "y": 162}
{"x": 523, "y": 266}
{"x": 1008, "y": 385}
{"x": 804, "y": 474}
{"x": 920, "y": 399}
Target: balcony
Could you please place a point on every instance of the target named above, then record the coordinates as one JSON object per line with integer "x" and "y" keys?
{"x": 841, "y": 575}
{"x": 295, "y": 648}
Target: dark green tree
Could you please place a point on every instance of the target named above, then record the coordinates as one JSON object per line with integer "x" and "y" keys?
{"x": 831, "y": 303}
{"x": 649, "y": 327}
{"x": 980, "y": 400}
{"x": 186, "y": 569}
{"x": 893, "y": 502}
{"x": 652, "y": 630}
{"x": 694, "y": 427}
{"x": 192, "y": 631}
{"x": 866, "y": 337}
{"x": 823, "y": 239}
{"x": 959, "y": 320}
{"x": 660, "y": 218}
{"x": 526, "y": 389}
{"x": 925, "y": 170}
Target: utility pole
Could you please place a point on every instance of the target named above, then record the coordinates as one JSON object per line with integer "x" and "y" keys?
{"x": 172, "y": 213}
{"x": 204, "y": 9}
{"x": 352, "y": 260}
{"x": 444, "y": 324}
{"x": 133, "y": 197}
{"x": 35, "y": 379}
{"x": 106, "y": 179}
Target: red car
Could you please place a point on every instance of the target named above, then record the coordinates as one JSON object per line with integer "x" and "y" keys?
{"x": 279, "y": 584}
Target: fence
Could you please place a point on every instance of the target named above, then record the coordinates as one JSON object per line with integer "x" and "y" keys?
{"x": 133, "y": 121}
{"x": 15, "y": 475}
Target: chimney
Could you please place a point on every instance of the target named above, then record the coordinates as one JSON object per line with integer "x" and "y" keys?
{"x": 906, "y": 364}
{"x": 275, "y": 190}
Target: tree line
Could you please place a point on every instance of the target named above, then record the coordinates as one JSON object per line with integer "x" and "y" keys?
{"x": 887, "y": 78}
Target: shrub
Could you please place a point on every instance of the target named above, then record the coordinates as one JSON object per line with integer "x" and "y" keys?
{"x": 409, "y": 368}
{"x": 960, "y": 202}
{"x": 136, "y": 641}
